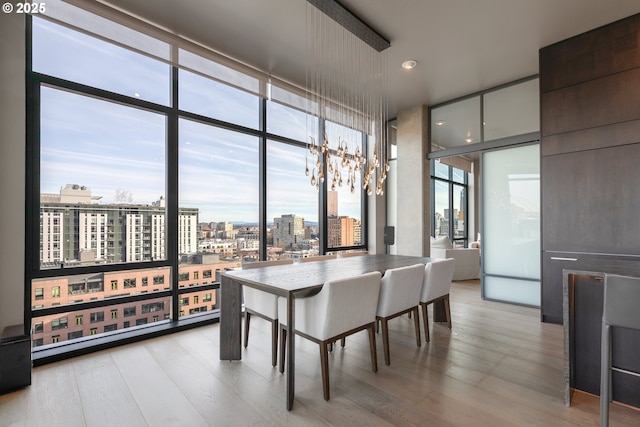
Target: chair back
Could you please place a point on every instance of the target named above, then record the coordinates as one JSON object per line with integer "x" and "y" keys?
{"x": 350, "y": 254}
{"x": 437, "y": 279}
{"x": 259, "y": 264}
{"x": 317, "y": 258}
{"x": 400, "y": 289}
{"x": 343, "y": 305}
{"x": 260, "y": 301}
{"x": 621, "y": 296}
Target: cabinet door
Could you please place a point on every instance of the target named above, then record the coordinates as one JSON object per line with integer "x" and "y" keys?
{"x": 551, "y": 287}
{"x": 590, "y": 201}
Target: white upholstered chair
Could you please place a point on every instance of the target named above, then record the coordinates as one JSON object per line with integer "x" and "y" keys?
{"x": 399, "y": 294}
{"x": 264, "y": 305}
{"x": 341, "y": 308}
{"x": 436, "y": 285}
{"x": 357, "y": 253}
{"x": 318, "y": 258}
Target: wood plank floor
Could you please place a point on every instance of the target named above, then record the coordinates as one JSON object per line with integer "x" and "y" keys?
{"x": 499, "y": 366}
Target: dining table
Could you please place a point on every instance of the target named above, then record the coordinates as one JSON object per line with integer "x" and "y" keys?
{"x": 291, "y": 281}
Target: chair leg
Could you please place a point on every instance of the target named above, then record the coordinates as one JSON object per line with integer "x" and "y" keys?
{"x": 385, "y": 341}
{"x": 416, "y": 321}
{"x": 447, "y": 310}
{"x": 274, "y": 342}
{"x": 343, "y": 341}
{"x": 372, "y": 348}
{"x": 425, "y": 318}
{"x": 247, "y": 319}
{"x": 324, "y": 367}
{"x": 283, "y": 346}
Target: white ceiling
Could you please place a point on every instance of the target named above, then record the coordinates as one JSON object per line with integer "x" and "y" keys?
{"x": 462, "y": 46}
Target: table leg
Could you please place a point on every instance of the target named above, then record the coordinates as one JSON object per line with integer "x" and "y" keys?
{"x": 291, "y": 353}
{"x": 230, "y": 319}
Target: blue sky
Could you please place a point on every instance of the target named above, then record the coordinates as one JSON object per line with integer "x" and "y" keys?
{"x": 108, "y": 147}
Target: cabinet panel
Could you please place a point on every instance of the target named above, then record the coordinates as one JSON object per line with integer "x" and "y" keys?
{"x": 608, "y": 100}
{"x": 590, "y": 139}
{"x": 597, "y": 53}
{"x": 551, "y": 286}
{"x": 590, "y": 201}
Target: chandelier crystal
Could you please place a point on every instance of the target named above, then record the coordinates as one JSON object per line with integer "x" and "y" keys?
{"x": 346, "y": 85}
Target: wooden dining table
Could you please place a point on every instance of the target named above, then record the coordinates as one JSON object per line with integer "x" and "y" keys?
{"x": 290, "y": 281}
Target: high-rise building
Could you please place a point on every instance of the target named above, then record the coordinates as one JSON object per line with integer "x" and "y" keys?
{"x": 343, "y": 231}
{"x": 73, "y": 229}
{"x": 288, "y": 232}
{"x": 225, "y": 230}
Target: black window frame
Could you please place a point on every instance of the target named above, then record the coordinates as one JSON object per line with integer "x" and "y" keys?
{"x": 33, "y": 270}
{"x": 451, "y": 183}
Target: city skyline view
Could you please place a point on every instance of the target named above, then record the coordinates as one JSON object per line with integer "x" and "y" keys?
{"x": 110, "y": 147}
{"x": 112, "y": 135}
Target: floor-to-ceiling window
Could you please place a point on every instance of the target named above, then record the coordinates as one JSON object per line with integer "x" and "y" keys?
{"x": 449, "y": 203}
{"x": 148, "y": 175}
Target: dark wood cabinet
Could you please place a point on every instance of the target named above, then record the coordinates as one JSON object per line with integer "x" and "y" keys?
{"x": 590, "y": 149}
{"x": 590, "y": 189}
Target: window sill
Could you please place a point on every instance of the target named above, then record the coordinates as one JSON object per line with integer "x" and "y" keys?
{"x": 66, "y": 350}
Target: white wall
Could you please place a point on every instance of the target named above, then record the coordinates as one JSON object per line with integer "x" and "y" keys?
{"x": 12, "y": 168}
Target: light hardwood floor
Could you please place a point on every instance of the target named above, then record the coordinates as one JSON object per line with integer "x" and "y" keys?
{"x": 499, "y": 366}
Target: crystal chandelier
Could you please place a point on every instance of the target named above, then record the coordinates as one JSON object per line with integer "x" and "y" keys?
{"x": 347, "y": 70}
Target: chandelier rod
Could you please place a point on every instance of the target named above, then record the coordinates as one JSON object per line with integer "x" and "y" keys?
{"x": 351, "y": 22}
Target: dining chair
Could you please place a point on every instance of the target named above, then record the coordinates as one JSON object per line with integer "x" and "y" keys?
{"x": 322, "y": 258}
{"x": 358, "y": 253}
{"x": 318, "y": 258}
{"x": 341, "y": 308}
{"x": 264, "y": 305}
{"x": 399, "y": 294}
{"x": 620, "y": 309}
{"x": 435, "y": 287}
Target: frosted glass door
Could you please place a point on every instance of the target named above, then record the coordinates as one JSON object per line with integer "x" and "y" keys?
{"x": 511, "y": 225}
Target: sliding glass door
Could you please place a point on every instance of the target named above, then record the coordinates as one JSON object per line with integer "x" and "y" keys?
{"x": 511, "y": 225}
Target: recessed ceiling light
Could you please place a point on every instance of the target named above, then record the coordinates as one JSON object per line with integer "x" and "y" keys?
{"x": 407, "y": 65}
{"x": 137, "y": 95}
{"x": 440, "y": 122}
{"x": 468, "y": 139}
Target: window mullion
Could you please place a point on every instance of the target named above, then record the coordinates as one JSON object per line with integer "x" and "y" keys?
{"x": 172, "y": 210}
{"x": 262, "y": 180}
